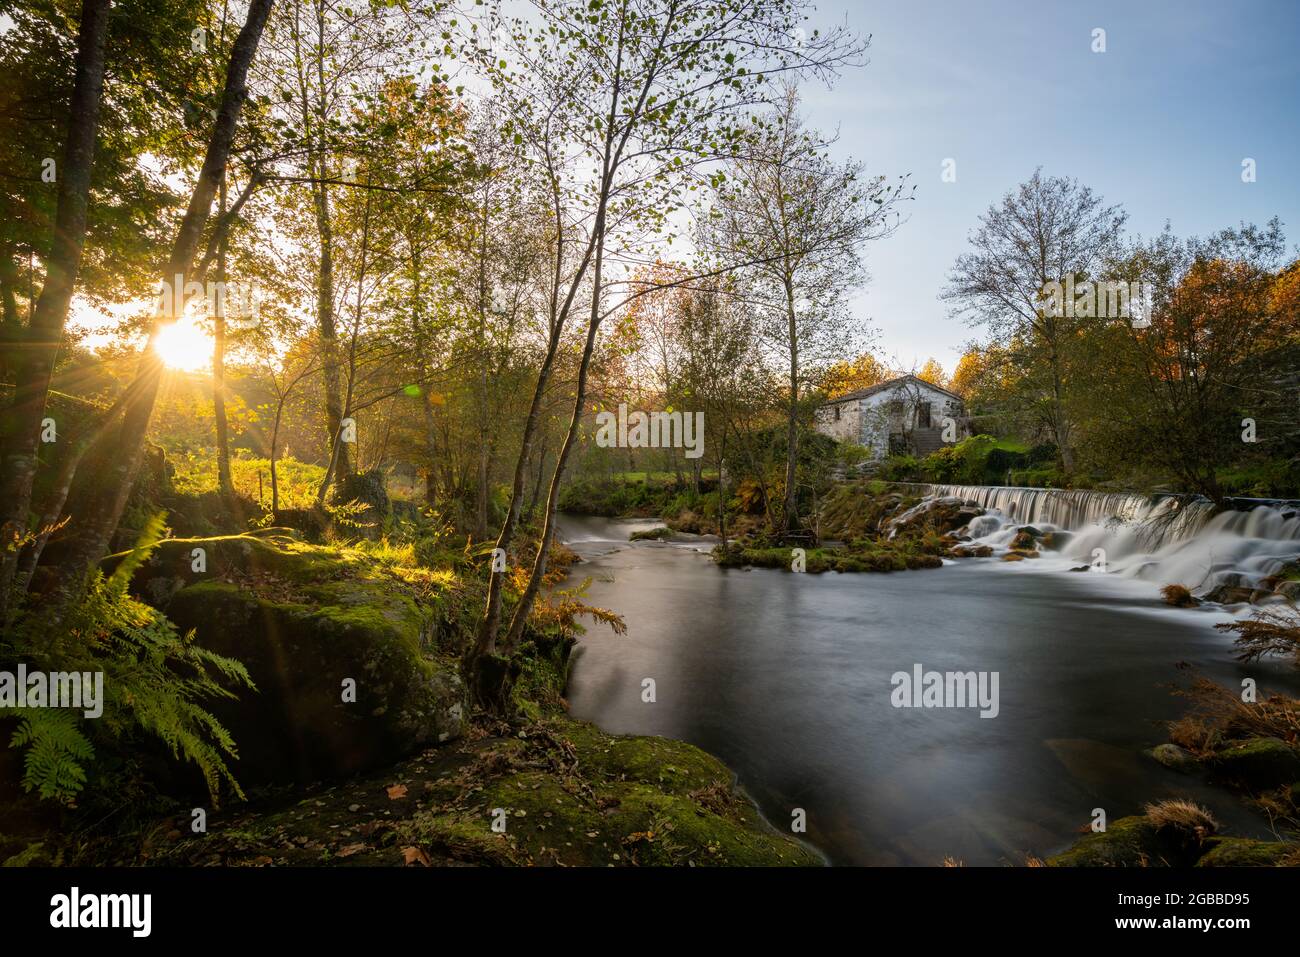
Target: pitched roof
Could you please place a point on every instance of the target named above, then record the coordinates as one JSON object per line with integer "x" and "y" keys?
{"x": 888, "y": 385}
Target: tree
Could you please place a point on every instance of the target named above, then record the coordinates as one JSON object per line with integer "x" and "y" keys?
{"x": 803, "y": 220}
{"x": 623, "y": 105}
{"x": 102, "y": 510}
{"x": 33, "y": 365}
{"x": 1207, "y": 382}
{"x": 1047, "y": 230}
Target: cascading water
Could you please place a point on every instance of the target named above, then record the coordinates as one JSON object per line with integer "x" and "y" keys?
{"x": 1166, "y": 539}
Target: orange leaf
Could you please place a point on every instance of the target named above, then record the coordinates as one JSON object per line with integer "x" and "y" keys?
{"x": 396, "y": 791}
{"x": 412, "y": 854}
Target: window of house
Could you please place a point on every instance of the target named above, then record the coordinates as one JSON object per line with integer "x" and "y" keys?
{"x": 923, "y": 415}
{"x": 837, "y": 413}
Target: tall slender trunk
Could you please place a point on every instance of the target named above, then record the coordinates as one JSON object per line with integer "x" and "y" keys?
{"x": 484, "y": 454}
{"x": 105, "y": 507}
{"x": 525, "y": 605}
{"x": 33, "y": 364}
{"x": 224, "y": 481}
{"x": 792, "y": 426}
{"x": 340, "y": 467}
{"x": 485, "y": 643}
{"x": 541, "y": 472}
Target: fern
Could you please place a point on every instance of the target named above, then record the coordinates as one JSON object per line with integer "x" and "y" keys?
{"x": 156, "y": 681}
{"x": 56, "y": 751}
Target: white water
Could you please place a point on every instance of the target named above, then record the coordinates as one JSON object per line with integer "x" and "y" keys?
{"x": 1162, "y": 539}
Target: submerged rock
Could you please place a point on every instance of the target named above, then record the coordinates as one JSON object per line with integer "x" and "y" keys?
{"x": 1172, "y": 756}
{"x": 1229, "y": 594}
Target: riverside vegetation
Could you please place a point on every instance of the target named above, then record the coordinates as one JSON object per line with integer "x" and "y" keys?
{"x": 290, "y": 769}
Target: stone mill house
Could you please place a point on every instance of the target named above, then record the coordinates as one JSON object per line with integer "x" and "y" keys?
{"x": 903, "y": 415}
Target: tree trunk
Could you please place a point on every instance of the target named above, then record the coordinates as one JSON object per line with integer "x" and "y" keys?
{"x": 526, "y": 600}
{"x": 33, "y": 365}
{"x": 224, "y": 481}
{"x": 104, "y": 508}
{"x": 792, "y": 429}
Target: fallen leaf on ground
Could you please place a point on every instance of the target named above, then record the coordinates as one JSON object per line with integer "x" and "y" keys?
{"x": 396, "y": 791}
{"x": 412, "y": 854}
{"x": 351, "y": 849}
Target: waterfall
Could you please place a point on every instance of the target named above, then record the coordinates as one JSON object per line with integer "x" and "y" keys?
{"x": 1168, "y": 539}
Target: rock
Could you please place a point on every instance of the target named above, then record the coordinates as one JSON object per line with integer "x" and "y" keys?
{"x": 304, "y": 620}
{"x": 1243, "y": 852}
{"x": 1055, "y": 541}
{"x": 1132, "y": 842}
{"x": 971, "y": 551}
{"x": 651, "y": 801}
{"x": 1172, "y": 756}
{"x": 1228, "y": 594}
{"x": 1023, "y": 540}
{"x": 941, "y": 515}
{"x": 366, "y": 492}
{"x": 1257, "y": 763}
{"x": 1289, "y": 590}
{"x": 1127, "y": 842}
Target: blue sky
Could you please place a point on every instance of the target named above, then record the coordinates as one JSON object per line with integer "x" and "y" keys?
{"x": 1159, "y": 123}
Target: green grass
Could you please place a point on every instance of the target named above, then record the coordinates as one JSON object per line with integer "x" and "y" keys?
{"x": 196, "y": 474}
{"x": 642, "y": 477}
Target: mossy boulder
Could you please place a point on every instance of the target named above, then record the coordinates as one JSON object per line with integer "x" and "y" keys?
{"x": 569, "y": 794}
{"x": 1257, "y": 763}
{"x": 1172, "y": 756}
{"x": 1128, "y": 842}
{"x": 560, "y": 792}
{"x": 1131, "y": 842}
{"x": 347, "y": 676}
{"x": 1243, "y": 852}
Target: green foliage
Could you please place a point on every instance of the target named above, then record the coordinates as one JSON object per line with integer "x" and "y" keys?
{"x": 155, "y": 684}
{"x": 56, "y": 752}
{"x": 195, "y": 474}
{"x": 900, "y": 468}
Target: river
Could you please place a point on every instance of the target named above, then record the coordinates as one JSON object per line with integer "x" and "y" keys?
{"x": 787, "y": 678}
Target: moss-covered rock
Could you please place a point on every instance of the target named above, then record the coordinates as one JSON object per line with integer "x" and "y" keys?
{"x": 573, "y": 795}
{"x": 1243, "y": 852}
{"x": 1172, "y": 756}
{"x": 1136, "y": 841}
{"x": 1127, "y": 842}
{"x": 559, "y": 792}
{"x": 1257, "y": 763}
{"x": 347, "y": 677}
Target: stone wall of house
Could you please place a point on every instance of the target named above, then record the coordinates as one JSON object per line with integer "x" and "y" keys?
{"x": 870, "y": 420}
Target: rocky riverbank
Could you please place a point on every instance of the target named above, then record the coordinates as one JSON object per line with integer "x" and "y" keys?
{"x": 359, "y": 745}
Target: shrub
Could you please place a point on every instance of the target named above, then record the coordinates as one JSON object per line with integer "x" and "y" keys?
{"x": 1182, "y": 815}
{"x": 1180, "y": 596}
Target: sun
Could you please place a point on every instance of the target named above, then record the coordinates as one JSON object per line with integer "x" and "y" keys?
{"x": 184, "y": 345}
